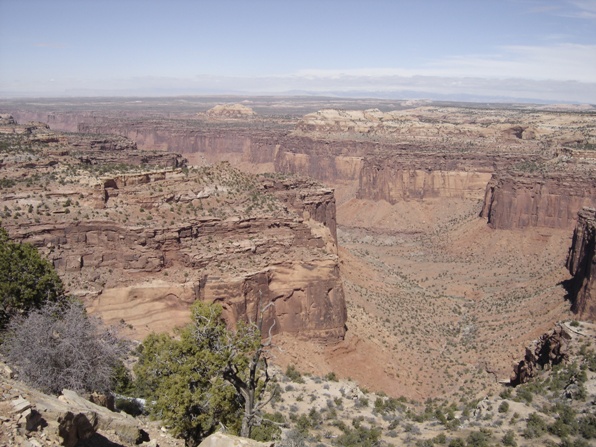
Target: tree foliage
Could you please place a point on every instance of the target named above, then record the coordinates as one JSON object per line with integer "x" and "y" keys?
{"x": 204, "y": 377}
{"x": 59, "y": 346}
{"x": 26, "y": 279}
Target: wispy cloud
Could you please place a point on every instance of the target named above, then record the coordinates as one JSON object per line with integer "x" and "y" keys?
{"x": 563, "y": 61}
{"x": 585, "y": 9}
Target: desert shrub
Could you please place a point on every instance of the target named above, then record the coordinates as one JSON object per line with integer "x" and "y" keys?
{"x": 293, "y": 438}
{"x": 509, "y": 439}
{"x": 478, "y": 438}
{"x": 303, "y": 424}
{"x": 457, "y": 442}
{"x": 293, "y": 374}
{"x": 361, "y": 402}
{"x": 359, "y": 437}
{"x": 332, "y": 377}
{"x": 535, "y": 426}
{"x": 578, "y": 442}
{"x": 425, "y": 443}
{"x": 440, "y": 439}
{"x": 315, "y": 418}
{"x": 587, "y": 426}
{"x": 523, "y": 393}
{"x": 566, "y": 423}
{"x": 27, "y": 281}
{"x": 504, "y": 407}
{"x": 506, "y": 393}
{"x": 59, "y": 346}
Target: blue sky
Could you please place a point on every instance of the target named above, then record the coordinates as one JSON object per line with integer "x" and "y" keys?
{"x": 527, "y": 49}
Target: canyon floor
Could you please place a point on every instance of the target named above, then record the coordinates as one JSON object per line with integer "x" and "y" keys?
{"x": 438, "y": 303}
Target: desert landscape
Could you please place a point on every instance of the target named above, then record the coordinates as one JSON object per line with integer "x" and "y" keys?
{"x": 410, "y": 248}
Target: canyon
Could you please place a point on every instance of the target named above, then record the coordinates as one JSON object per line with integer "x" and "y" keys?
{"x": 446, "y": 227}
{"x": 213, "y": 233}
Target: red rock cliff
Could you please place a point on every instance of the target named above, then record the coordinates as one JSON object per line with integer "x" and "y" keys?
{"x": 581, "y": 263}
{"x": 141, "y": 244}
{"x": 523, "y": 200}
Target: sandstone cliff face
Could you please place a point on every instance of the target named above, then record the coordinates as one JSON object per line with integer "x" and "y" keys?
{"x": 140, "y": 244}
{"x": 550, "y": 199}
{"x": 420, "y": 153}
{"x": 395, "y": 180}
{"x": 582, "y": 265}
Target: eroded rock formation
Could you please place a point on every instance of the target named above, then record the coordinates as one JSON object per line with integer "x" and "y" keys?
{"x": 544, "y": 199}
{"x": 581, "y": 263}
{"x": 415, "y": 153}
{"x": 231, "y": 111}
{"x": 140, "y": 243}
{"x": 549, "y": 350}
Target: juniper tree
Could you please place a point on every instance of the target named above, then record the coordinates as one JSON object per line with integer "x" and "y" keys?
{"x": 206, "y": 377}
{"x": 27, "y": 280}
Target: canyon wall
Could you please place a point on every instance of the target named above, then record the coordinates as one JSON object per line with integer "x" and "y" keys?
{"x": 581, "y": 263}
{"x": 415, "y": 154}
{"x": 422, "y": 176}
{"x": 140, "y": 243}
{"x": 522, "y": 200}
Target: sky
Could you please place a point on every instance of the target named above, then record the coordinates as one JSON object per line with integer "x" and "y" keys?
{"x": 527, "y": 50}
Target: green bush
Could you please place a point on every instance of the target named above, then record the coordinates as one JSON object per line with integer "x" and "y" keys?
{"x": 504, "y": 407}
{"x": 293, "y": 374}
{"x": 185, "y": 379}
{"x": 535, "y": 427}
{"x": 27, "y": 281}
{"x": 479, "y": 438}
{"x": 509, "y": 439}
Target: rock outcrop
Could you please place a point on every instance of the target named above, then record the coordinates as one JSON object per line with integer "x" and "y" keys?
{"x": 231, "y": 111}
{"x": 551, "y": 196}
{"x": 581, "y": 263}
{"x": 549, "y": 350}
{"x": 419, "y": 153}
{"x": 210, "y": 233}
{"x": 536, "y": 201}
{"x": 66, "y": 420}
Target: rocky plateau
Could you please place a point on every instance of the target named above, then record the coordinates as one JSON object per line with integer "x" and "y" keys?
{"x": 139, "y": 242}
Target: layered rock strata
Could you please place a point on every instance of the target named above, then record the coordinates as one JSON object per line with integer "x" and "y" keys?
{"x": 415, "y": 153}
{"x": 581, "y": 263}
{"x": 141, "y": 245}
{"x": 550, "y": 198}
